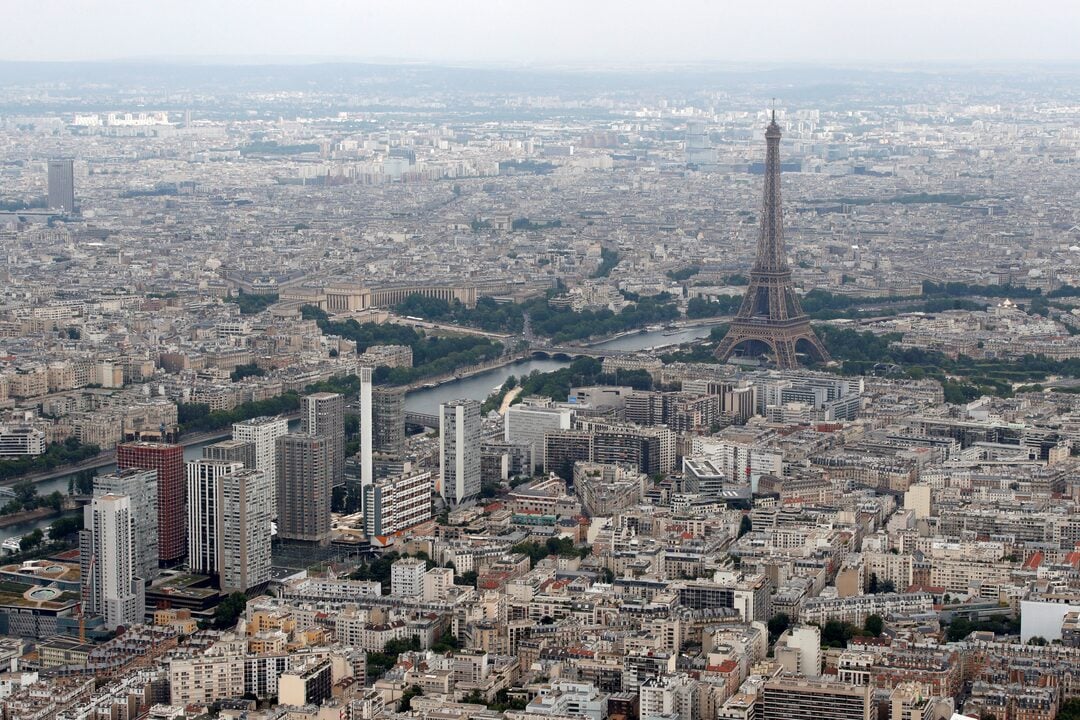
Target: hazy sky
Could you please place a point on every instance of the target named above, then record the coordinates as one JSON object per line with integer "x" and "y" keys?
{"x": 543, "y": 31}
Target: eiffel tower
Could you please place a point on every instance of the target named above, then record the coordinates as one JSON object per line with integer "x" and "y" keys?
{"x": 771, "y": 315}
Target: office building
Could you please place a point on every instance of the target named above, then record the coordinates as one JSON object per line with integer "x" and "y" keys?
{"x": 141, "y": 487}
{"x": 203, "y": 486}
{"x": 107, "y": 562}
{"x": 388, "y": 420}
{"x": 797, "y": 699}
{"x": 168, "y": 460}
{"x": 263, "y": 432}
{"x": 304, "y": 488}
{"x": 527, "y": 425}
{"x": 323, "y": 414}
{"x": 366, "y": 449}
{"x": 243, "y": 548}
{"x": 62, "y": 185}
{"x": 232, "y": 450}
{"x": 21, "y": 441}
{"x": 396, "y": 503}
{"x": 459, "y": 451}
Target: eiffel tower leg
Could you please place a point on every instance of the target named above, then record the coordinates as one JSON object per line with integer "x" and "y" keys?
{"x": 727, "y": 345}
{"x": 817, "y": 348}
{"x": 785, "y": 353}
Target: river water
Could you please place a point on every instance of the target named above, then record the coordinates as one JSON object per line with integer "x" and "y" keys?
{"x": 426, "y": 400}
{"x": 478, "y": 387}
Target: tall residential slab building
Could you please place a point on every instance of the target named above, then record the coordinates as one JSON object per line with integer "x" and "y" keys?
{"x": 263, "y": 433}
{"x": 459, "y": 451}
{"x": 62, "y": 185}
{"x": 204, "y": 511}
{"x": 324, "y": 414}
{"x": 304, "y": 488}
{"x": 243, "y": 549}
{"x": 111, "y": 587}
{"x": 142, "y": 487}
{"x": 367, "y": 473}
{"x": 231, "y": 450}
{"x": 396, "y": 503}
{"x": 388, "y": 420}
{"x": 168, "y": 460}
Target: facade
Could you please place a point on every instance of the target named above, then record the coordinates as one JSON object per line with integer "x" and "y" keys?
{"x": 231, "y": 450}
{"x": 304, "y": 487}
{"x": 459, "y": 451}
{"x": 263, "y": 433}
{"x": 396, "y": 503}
{"x": 107, "y": 561}
{"x": 204, "y": 512}
{"x": 62, "y": 185}
{"x": 323, "y": 414}
{"x": 168, "y": 460}
{"x": 21, "y": 441}
{"x": 527, "y": 425}
{"x": 407, "y": 577}
{"x": 205, "y": 678}
{"x": 243, "y": 548}
{"x": 796, "y": 699}
{"x": 141, "y": 486}
{"x": 308, "y": 684}
{"x": 388, "y": 420}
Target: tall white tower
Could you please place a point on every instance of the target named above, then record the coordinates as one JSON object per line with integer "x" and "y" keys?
{"x": 459, "y": 451}
{"x": 107, "y": 559}
{"x": 243, "y": 548}
{"x": 141, "y": 486}
{"x": 367, "y": 473}
{"x": 204, "y": 497}
{"x": 263, "y": 433}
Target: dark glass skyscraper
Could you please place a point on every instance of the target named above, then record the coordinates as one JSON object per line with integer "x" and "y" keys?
{"x": 62, "y": 185}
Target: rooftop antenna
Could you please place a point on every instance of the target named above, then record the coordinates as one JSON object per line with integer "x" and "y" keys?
{"x": 774, "y": 110}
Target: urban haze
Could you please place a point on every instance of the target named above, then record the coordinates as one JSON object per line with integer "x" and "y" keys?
{"x": 539, "y": 361}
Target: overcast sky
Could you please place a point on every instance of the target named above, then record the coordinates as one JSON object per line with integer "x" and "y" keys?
{"x": 543, "y": 31}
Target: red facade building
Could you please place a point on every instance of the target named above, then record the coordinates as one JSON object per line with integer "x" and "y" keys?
{"x": 168, "y": 460}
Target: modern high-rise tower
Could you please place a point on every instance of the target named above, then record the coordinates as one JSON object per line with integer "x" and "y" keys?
{"x": 323, "y": 414}
{"x": 142, "y": 487}
{"x": 111, "y": 587}
{"x": 459, "y": 451}
{"x": 243, "y": 551}
{"x": 263, "y": 432}
{"x": 204, "y": 478}
{"x": 771, "y": 315}
{"x": 388, "y": 420}
{"x": 304, "y": 488}
{"x": 168, "y": 461}
{"x": 62, "y": 185}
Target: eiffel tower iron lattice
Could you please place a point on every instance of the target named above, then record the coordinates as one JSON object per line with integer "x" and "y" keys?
{"x": 770, "y": 313}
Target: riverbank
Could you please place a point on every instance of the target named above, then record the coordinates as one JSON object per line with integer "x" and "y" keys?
{"x": 508, "y": 399}
{"x": 27, "y": 516}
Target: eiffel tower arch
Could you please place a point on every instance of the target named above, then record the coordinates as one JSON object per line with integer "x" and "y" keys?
{"x": 771, "y": 314}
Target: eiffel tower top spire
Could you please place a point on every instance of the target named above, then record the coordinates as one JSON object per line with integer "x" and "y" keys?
{"x": 771, "y": 254}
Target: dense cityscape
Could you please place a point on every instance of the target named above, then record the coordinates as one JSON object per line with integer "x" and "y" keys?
{"x": 374, "y": 392}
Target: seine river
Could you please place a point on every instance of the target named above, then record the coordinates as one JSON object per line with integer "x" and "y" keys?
{"x": 476, "y": 387}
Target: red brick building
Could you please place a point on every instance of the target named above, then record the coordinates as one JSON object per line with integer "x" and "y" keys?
{"x": 168, "y": 460}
